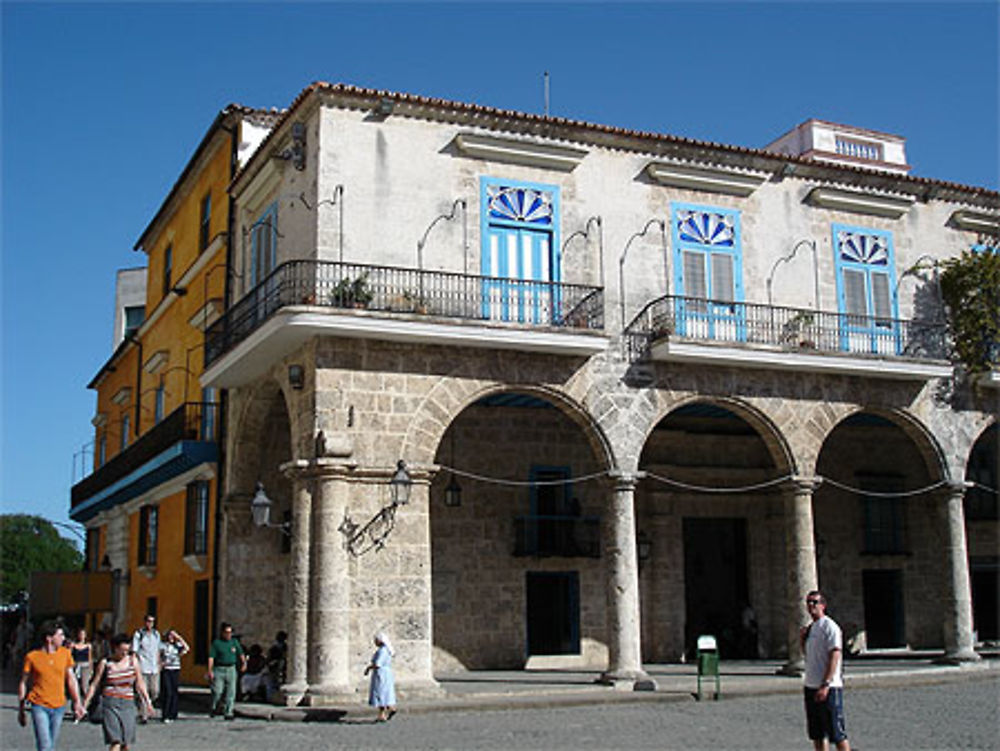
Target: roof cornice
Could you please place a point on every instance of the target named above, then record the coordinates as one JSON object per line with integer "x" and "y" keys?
{"x": 223, "y": 121}
{"x": 657, "y": 144}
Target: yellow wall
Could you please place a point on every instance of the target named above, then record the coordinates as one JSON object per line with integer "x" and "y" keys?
{"x": 172, "y": 580}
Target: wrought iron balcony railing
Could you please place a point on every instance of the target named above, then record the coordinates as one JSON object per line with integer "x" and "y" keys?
{"x": 557, "y": 536}
{"x": 192, "y": 421}
{"x": 390, "y": 289}
{"x": 793, "y": 329}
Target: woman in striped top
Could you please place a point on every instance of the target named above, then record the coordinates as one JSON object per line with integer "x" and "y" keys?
{"x": 119, "y": 678}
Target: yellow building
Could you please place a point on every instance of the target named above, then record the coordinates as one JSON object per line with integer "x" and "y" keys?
{"x": 149, "y": 505}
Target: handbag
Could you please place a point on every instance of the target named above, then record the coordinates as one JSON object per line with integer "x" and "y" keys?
{"x": 95, "y": 710}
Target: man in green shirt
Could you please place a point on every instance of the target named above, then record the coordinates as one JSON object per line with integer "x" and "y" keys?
{"x": 225, "y": 657}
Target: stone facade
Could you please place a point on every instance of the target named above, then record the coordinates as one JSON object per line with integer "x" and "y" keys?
{"x": 739, "y": 475}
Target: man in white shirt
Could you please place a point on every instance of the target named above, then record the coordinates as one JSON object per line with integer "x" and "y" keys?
{"x": 822, "y": 643}
{"x": 146, "y": 646}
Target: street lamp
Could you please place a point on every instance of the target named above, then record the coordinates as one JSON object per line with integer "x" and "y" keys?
{"x": 260, "y": 507}
{"x": 400, "y": 484}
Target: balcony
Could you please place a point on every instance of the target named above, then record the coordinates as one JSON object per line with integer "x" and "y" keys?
{"x": 182, "y": 440}
{"x": 305, "y": 298}
{"x": 690, "y": 329}
{"x": 557, "y": 536}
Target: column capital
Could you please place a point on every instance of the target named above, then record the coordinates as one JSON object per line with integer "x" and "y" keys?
{"x": 803, "y": 484}
{"x": 299, "y": 469}
{"x": 952, "y": 488}
{"x": 623, "y": 480}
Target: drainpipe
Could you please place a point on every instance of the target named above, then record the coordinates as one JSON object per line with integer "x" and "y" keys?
{"x": 220, "y": 465}
{"x": 138, "y": 386}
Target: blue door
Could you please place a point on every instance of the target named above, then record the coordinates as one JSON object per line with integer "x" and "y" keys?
{"x": 518, "y": 256}
{"x": 708, "y": 273}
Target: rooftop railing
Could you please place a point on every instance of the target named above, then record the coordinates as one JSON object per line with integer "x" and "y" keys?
{"x": 389, "y": 289}
{"x": 192, "y": 421}
{"x": 778, "y": 327}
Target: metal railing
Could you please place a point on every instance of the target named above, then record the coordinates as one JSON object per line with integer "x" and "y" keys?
{"x": 793, "y": 329}
{"x": 192, "y": 421}
{"x": 389, "y": 289}
{"x": 557, "y": 536}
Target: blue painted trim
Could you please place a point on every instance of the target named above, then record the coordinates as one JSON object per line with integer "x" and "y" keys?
{"x": 680, "y": 246}
{"x": 174, "y": 461}
{"x": 715, "y": 313}
{"x": 486, "y": 224}
{"x": 983, "y": 248}
{"x": 867, "y": 270}
{"x": 272, "y": 213}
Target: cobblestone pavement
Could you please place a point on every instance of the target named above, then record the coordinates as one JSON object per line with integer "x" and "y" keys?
{"x": 959, "y": 713}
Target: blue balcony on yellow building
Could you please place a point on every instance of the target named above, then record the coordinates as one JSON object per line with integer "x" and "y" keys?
{"x": 183, "y": 440}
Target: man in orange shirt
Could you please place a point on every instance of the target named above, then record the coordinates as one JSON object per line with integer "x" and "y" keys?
{"x": 49, "y": 669}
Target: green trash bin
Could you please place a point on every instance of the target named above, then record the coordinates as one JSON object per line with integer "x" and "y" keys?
{"x": 708, "y": 664}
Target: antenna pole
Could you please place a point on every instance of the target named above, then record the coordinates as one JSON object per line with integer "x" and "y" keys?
{"x": 546, "y": 93}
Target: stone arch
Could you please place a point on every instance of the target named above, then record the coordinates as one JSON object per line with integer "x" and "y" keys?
{"x": 964, "y": 444}
{"x": 254, "y": 409}
{"x": 450, "y": 397}
{"x": 774, "y": 440}
{"x": 926, "y": 443}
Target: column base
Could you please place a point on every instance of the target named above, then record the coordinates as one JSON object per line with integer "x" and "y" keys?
{"x": 793, "y": 669}
{"x": 628, "y": 680}
{"x": 291, "y": 694}
{"x": 958, "y": 657}
{"x": 329, "y": 695}
{"x": 419, "y": 689}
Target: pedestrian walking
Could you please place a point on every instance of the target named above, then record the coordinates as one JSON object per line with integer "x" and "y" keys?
{"x": 225, "y": 659}
{"x": 171, "y": 650}
{"x": 822, "y": 643}
{"x": 83, "y": 659}
{"x": 45, "y": 678}
{"x": 382, "y": 689}
{"x": 119, "y": 679}
{"x": 146, "y": 647}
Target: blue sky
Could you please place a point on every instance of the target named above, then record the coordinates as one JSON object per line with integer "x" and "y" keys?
{"x": 103, "y": 105}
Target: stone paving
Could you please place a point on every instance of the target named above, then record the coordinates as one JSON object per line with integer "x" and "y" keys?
{"x": 892, "y": 704}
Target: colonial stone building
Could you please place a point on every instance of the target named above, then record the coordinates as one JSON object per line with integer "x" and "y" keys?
{"x": 645, "y": 388}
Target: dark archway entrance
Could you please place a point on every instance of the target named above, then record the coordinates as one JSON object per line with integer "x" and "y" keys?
{"x": 877, "y": 542}
{"x": 517, "y": 574}
{"x": 729, "y": 546}
{"x": 982, "y": 504}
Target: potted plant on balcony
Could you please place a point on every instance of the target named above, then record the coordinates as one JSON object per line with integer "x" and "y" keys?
{"x": 792, "y": 332}
{"x": 351, "y": 293}
{"x": 662, "y": 326}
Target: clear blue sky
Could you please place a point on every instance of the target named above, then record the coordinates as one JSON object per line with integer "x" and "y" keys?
{"x": 103, "y": 105}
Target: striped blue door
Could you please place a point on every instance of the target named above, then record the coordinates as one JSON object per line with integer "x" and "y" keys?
{"x": 519, "y": 264}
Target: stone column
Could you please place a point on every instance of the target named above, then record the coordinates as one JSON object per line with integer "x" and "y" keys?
{"x": 296, "y": 670}
{"x": 622, "y": 570}
{"x": 329, "y": 590}
{"x": 414, "y": 608}
{"x": 957, "y": 595}
{"x": 801, "y": 565}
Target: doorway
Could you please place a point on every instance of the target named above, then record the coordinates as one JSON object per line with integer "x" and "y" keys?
{"x": 883, "y": 602}
{"x": 716, "y": 599}
{"x": 985, "y": 597}
{"x": 553, "y": 612}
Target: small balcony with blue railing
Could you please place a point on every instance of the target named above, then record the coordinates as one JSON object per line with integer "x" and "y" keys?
{"x": 185, "y": 439}
{"x": 305, "y": 298}
{"x": 755, "y": 335}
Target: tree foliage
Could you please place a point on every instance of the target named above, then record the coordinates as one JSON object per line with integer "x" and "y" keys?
{"x": 31, "y": 543}
{"x": 970, "y": 285}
